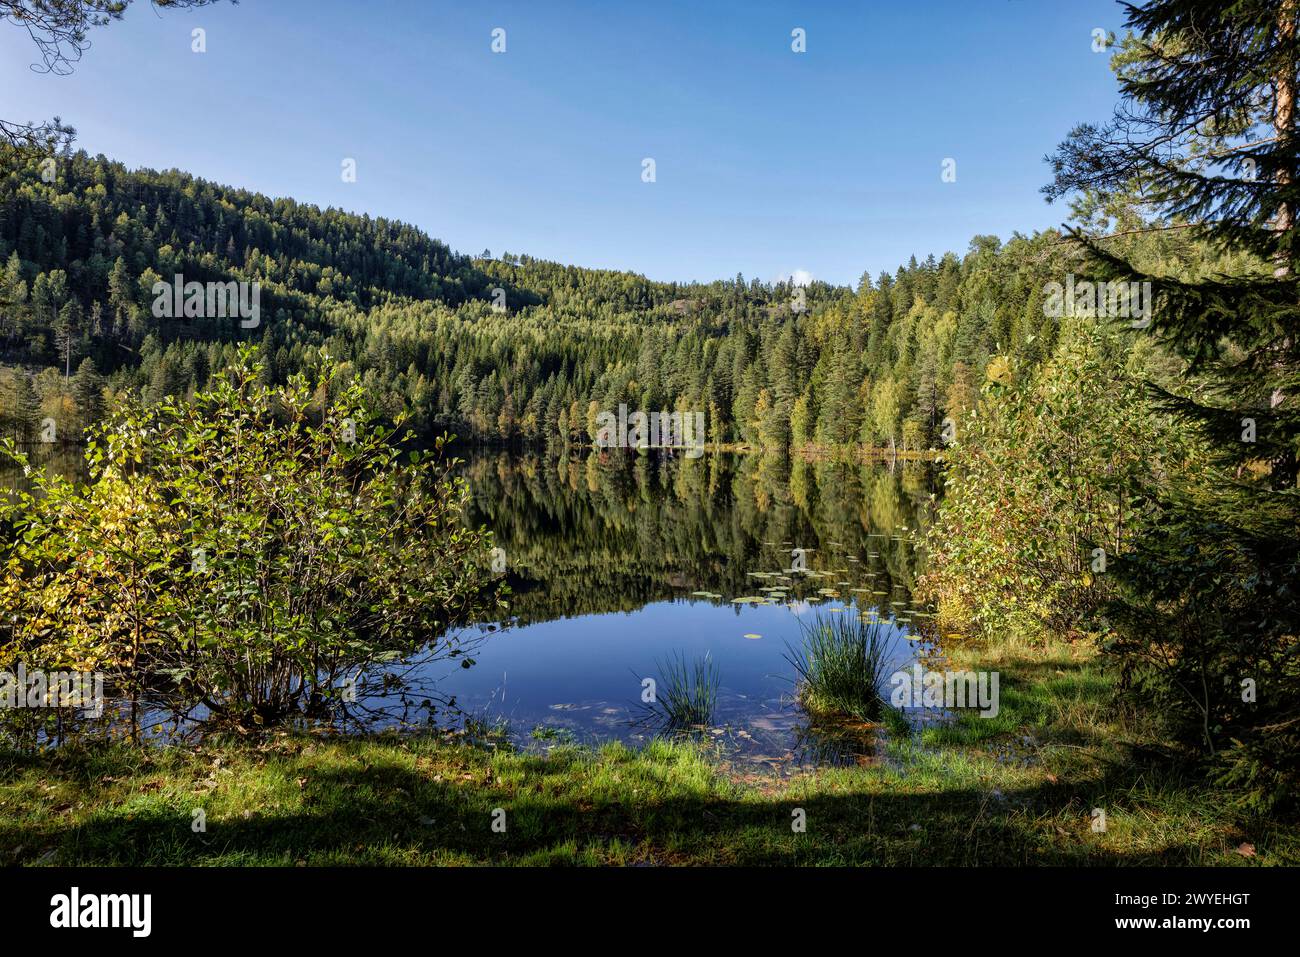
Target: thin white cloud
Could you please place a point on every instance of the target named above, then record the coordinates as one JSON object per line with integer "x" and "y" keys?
{"x": 800, "y": 277}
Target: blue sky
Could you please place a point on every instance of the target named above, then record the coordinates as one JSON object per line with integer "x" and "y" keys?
{"x": 767, "y": 161}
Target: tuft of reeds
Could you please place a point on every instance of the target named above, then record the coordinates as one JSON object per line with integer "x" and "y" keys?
{"x": 841, "y": 666}
{"x": 686, "y": 693}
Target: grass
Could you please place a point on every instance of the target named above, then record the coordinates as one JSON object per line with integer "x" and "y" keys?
{"x": 1019, "y": 789}
{"x": 841, "y": 667}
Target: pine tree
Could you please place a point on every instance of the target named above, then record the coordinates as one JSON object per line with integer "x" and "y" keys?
{"x": 13, "y": 298}
{"x": 840, "y": 418}
{"x": 121, "y": 297}
{"x": 67, "y": 333}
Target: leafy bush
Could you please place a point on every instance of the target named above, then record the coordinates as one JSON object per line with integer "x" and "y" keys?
{"x": 1046, "y": 471}
{"x": 250, "y": 552}
{"x": 1196, "y": 605}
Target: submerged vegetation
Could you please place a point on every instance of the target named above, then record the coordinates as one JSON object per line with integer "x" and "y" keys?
{"x": 1017, "y": 791}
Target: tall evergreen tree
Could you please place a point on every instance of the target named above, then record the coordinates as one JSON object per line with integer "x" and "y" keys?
{"x": 1206, "y": 134}
{"x": 88, "y": 392}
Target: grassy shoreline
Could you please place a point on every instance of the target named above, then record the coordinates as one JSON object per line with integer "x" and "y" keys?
{"x": 1017, "y": 789}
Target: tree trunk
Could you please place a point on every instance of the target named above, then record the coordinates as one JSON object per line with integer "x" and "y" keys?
{"x": 1283, "y": 123}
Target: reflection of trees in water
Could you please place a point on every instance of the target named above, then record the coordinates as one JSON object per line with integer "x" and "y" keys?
{"x": 614, "y": 531}
{"x": 65, "y": 460}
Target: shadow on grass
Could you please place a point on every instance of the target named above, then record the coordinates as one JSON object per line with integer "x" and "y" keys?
{"x": 437, "y": 806}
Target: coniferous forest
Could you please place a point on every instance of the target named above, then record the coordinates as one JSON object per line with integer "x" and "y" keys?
{"x": 879, "y": 365}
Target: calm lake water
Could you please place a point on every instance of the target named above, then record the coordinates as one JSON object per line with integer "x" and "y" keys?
{"x": 620, "y": 561}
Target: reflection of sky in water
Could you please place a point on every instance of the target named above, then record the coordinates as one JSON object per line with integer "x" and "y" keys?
{"x": 584, "y": 674}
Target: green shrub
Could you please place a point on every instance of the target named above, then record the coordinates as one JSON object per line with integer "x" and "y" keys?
{"x": 250, "y": 552}
{"x": 1046, "y": 472}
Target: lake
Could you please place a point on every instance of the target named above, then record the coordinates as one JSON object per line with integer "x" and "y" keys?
{"x": 618, "y": 562}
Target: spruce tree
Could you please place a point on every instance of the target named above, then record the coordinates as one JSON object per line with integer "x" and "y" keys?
{"x": 26, "y": 406}
{"x": 1205, "y": 136}
{"x": 88, "y": 392}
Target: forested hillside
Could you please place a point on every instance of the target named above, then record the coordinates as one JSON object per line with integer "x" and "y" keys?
{"x": 496, "y": 349}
